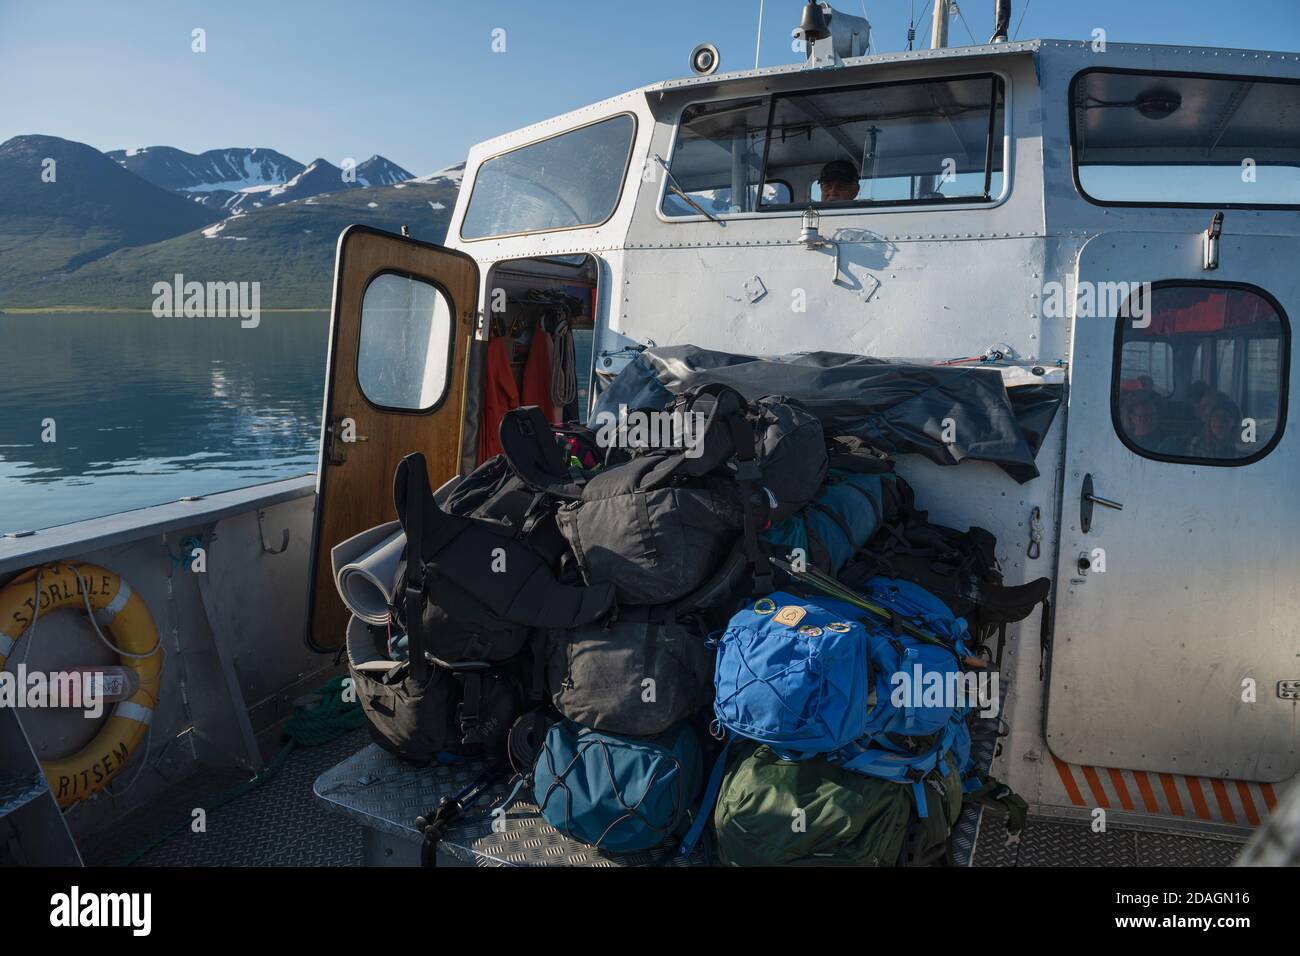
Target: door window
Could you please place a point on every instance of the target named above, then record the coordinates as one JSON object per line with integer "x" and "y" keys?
{"x": 1201, "y": 375}
{"x": 405, "y": 350}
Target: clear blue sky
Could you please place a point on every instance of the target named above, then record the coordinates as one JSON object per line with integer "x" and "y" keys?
{"x": 417, "y": 81}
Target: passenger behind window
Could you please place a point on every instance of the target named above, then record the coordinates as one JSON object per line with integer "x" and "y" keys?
{"x": 1218, "y": 437}
{"x": 1140, "y": 416}
{"x": 1186, "y": 418}
{"x": 839, "y": 181}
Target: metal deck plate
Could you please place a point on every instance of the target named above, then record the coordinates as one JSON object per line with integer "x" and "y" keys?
{"x": 980, "y": 837}
{"x": 277, "y": 824}
{"x": 18, "y": 790}
{"x": 377, "y": 790}
{"x": 1051, "y": 842}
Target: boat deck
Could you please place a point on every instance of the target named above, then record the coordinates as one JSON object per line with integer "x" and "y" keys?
{"x": 350, "y": 803}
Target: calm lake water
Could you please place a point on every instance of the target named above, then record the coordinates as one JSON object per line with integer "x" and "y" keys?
{"x": 149, "y": 410}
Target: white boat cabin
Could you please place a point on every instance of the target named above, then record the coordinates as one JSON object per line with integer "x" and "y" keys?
{"x": 1120, "y": 219}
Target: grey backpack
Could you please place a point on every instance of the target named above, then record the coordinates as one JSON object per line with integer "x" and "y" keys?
{"x": 648, "y": 667}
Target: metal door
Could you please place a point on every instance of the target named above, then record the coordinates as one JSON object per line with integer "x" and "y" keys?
{"x": 1177, "y": 632}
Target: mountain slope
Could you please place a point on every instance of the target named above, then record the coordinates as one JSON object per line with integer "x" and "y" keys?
{"x": 92, "y": 207}
{"x": 289, "y": 249}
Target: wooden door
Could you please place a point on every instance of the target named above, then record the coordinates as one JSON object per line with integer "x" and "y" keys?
{"x": 400, "y": 332}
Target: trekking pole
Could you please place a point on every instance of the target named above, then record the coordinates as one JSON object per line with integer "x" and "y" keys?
{"x": 434, "y": 826}
{"x": 830, "y": 586}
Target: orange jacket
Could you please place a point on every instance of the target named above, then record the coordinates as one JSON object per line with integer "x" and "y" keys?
{"x": 537, "y": 376}
{"x": 500, "y": 394}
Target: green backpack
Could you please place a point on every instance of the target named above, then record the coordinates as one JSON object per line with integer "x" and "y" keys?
{"x": 775, "y": 812}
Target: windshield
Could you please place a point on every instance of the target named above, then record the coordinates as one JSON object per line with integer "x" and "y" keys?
{"x": 919, "y": 142}
{"x": 567, "y": 181}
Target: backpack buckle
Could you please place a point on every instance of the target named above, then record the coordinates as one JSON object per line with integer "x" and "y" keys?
{"x": 468, "y": 726}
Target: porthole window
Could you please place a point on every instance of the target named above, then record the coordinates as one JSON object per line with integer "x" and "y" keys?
{"x": 1201, "y": 373}
{"x": 404, "y": 357}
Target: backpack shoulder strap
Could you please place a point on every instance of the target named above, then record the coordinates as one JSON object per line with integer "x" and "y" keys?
{"x": 410, "y": 492}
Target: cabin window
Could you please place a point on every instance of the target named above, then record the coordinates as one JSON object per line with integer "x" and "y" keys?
{"x": 923, "y": 142}
{"x": 1157, "y": 139}
{"x": 565, "y": 182}
{"x": 404, "y": 357}
{"x": 1200, "y": 373}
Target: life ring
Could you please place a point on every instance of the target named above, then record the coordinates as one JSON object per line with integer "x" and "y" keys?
{"x": 128, "y": 620}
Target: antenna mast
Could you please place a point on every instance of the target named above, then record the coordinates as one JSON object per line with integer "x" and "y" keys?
{"x": 758, "y": 41}
{"x": 939, "y": 31}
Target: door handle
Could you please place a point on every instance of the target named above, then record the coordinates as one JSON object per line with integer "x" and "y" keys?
{"x": 1087, "y": 499}
{"x": 334, "y": 441}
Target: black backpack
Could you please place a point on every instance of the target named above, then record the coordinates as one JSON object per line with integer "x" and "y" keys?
{"x": 473, "y": 584}
{"x": 465, "y": 711}
{"x": 958, "y": 567}
{"x": 658, "y": 526}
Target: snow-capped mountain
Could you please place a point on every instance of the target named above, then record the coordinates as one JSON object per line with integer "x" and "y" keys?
{"x": 378, "y": 171}
{"x": 239, "y": 179}
{"x": 452, "y": 174}
{"x": 100, "y": 233}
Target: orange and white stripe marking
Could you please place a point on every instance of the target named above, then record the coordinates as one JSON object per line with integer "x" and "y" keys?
{"x": 1239, "y": 802}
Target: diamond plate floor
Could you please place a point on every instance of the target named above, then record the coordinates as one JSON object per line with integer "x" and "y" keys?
{"x": 277, "y": 824}
{"x": 375, "y": 789}
{"x": 1051, "y": 842}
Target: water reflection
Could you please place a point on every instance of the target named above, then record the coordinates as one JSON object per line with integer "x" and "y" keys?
{"x": 147, "y": 410}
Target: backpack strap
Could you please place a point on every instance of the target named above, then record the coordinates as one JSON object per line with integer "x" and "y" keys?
{"x": 818, "y": 555}
{"x": 467, "y": 711}
{"x": 837, "y": 520}
{"x": 705, "y": 809}
{"x": 718, "y": 589}
{"x": 991, "y": 792}
{"x": 874, "y": 761}
{"x": 749, "y": 476}
{"x": 412, "y": 497}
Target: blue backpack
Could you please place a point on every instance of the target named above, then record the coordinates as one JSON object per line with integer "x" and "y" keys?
{"x": 909, "y": 731}
{"x": 617, "y": 793}
{"x": 792, "y": 673}
{"x": 821, "y": 682}
{"x": 901, "y": 706}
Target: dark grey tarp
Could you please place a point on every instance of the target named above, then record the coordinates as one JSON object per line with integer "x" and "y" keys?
{"x": 899, "y": 408}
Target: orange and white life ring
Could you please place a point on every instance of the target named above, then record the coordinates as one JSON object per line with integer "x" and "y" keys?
{"x": 118, "y": 607}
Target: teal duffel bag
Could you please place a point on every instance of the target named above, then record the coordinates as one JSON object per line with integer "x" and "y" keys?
{"x": 860, "y": 494}
{"x": 617, "y": 793}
